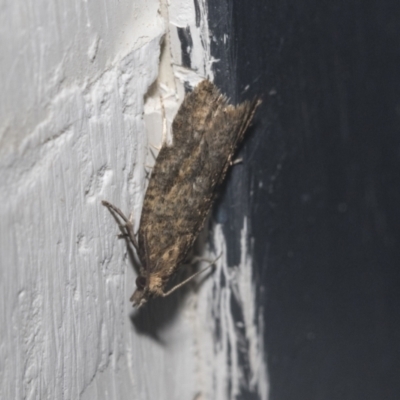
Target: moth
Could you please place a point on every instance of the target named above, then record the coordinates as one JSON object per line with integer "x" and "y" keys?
{"x": 183, "y": 186}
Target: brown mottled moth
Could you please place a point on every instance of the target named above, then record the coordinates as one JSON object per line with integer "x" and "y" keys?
{"x": 183, "y": 185}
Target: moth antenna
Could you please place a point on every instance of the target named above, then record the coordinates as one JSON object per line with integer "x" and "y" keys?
{"x": 176, "y": 287}
{"x": 128, "y": 223}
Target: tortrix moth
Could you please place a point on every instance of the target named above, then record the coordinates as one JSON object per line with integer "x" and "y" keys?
{"x": 183, "y": 185}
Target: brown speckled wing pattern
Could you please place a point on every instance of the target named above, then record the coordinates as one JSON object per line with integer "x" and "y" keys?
{"x": 186, "y": 176}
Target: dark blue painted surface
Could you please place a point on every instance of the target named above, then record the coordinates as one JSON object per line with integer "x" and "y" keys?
{"x": 321, "y": 187}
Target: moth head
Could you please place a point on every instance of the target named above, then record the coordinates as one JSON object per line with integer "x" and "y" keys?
{"x": 141, "y": 294}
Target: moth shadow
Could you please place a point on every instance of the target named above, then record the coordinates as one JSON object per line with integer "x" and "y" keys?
{"x": 156, "y": 315}
{"x": 152, "y": 319}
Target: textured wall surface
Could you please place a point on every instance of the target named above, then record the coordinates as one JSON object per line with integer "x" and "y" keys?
{"x": 78, "y": 110}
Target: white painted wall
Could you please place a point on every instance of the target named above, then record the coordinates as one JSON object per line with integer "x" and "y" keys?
{"x": 77, "y": 113}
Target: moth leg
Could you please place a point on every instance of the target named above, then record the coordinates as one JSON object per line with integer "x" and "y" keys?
{"x": 150, "y": 167}
{"x": 128, "y": 223}
{"x": 235, "y": 162}
{"x": 158, "y": 148}
{"x": 176, "y": 287}
{"x": 124, "y": 235}
{"x": 148, "y": 173}
{"x": 152, "y": 152}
